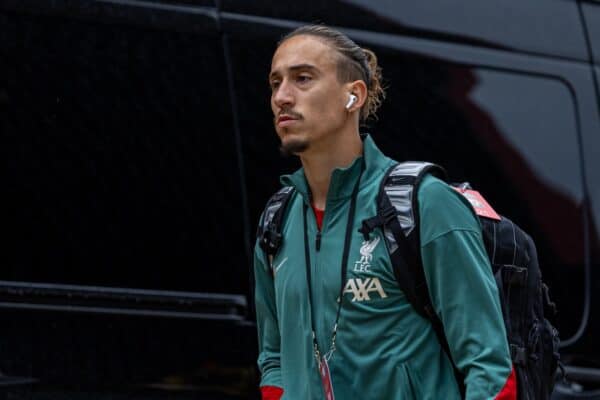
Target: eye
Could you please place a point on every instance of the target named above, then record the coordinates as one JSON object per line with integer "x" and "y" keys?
{"x": 274, "y": 84}
{"x": 303, "y": 78}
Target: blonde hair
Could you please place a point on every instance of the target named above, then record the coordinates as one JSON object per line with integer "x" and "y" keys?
{"x": 354, "y": 63}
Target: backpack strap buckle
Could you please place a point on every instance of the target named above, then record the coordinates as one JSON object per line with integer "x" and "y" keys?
{"x": 383, "y": 217}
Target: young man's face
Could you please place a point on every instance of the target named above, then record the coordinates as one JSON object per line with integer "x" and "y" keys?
{"x": 307, "y": 99}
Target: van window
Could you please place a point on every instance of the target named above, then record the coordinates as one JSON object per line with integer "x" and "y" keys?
{"x": 512, "y": 135}
{"x": 118, "y": 146}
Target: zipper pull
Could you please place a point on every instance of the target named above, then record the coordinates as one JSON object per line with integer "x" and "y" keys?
{"x": 318, "y": 240}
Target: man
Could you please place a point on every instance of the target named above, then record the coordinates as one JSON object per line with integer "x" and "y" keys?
{"x": 368, "y": 343}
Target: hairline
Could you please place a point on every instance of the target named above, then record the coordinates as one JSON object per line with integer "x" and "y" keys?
{"x": 339, "y": 57}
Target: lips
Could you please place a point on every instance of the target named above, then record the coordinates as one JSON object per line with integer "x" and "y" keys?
{"x": 285, "y": 117}
{"x": 285, "y": 120}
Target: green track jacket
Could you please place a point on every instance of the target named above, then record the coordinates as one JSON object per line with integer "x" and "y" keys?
{"x": 385, "y": 350}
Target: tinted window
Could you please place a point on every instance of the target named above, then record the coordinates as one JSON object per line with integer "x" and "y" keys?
{"x": 512, "y": 135}
{"x": 118, "y": 146}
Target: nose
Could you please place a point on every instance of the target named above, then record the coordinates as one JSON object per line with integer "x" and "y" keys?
{"x": 283, "y": 96}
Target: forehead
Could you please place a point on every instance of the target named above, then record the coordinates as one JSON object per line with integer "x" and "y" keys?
{"x": 303, "y": 49}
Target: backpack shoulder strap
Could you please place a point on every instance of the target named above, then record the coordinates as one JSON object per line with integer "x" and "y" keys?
{"x": 270, "y": 225}
{"x": 398, "y": 216}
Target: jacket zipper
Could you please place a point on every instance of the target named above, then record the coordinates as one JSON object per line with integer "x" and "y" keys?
{"x": 318, "y": 240}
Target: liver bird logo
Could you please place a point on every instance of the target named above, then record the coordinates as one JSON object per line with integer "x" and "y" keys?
{"x": 366, "y": 255}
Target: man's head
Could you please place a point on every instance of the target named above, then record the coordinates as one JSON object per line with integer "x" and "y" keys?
{"x": 314, "y": 72}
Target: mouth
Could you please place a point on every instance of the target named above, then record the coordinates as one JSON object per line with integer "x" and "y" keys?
{"x": 285, "y": 120}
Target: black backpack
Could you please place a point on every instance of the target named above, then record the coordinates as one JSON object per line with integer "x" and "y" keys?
{"x": 533, "y": 341}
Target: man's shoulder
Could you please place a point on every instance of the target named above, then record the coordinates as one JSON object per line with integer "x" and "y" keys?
{"x": 442, "y": 209}
{"x": 277, "y": 204}
{"x": 430, "y": 187}
{"x": 433, "y": 189}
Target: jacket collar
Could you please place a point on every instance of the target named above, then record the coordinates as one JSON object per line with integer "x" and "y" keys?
{"x": 343, "y": 179}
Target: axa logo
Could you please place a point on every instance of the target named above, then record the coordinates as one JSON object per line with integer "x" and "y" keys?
{"x": 361, "y": 288}
{"x": 366, "y": 255}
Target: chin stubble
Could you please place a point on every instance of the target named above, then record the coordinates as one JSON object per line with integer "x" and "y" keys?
{"x": 293, "y": 147}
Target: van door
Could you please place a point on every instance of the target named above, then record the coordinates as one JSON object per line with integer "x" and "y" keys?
{"x": 123, "y": 261}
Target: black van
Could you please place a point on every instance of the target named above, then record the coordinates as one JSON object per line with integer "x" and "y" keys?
{"x": 138, "y": 151}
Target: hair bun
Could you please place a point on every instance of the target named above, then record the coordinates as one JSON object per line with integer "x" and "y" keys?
{"x": 376, "y": 92}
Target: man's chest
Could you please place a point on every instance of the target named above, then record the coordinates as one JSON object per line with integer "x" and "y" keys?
{"x": 367, "y": 278}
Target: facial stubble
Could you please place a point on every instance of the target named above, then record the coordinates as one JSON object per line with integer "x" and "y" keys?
{"x": 293, "y": 147}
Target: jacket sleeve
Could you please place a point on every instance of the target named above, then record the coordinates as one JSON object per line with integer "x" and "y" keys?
{"x": 463, "y": 291}
{"x": 267, "y": 324}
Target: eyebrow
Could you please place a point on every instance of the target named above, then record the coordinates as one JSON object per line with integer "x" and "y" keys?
{"x": 296, "y": 68}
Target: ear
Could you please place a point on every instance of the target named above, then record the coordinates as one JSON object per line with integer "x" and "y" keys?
{"x": 359, "y": 89}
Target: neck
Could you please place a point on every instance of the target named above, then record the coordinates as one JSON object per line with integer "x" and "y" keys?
{"x": 319, "y": 163}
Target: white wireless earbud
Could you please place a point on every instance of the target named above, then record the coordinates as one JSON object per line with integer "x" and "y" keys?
{"x": 351, "y": 100}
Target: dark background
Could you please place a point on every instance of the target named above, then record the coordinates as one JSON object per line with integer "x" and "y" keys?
{"x": 137, "y": 152}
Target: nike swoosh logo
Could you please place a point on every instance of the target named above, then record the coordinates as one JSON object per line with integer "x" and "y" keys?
{"x": 280, "y": 264}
